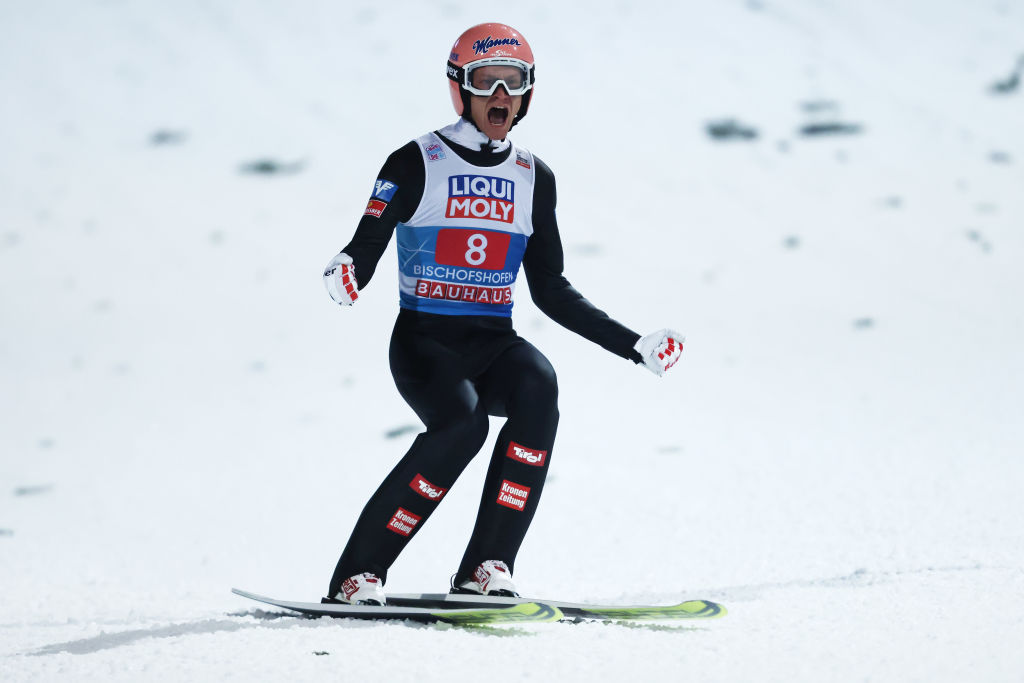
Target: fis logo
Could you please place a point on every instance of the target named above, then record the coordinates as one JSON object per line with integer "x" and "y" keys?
{"x": 420, "y": 485}
{"x": 384, "y": 190}
{"x": 522, "y": 160}
{"x": 528, "y": 456}
{"x": 481, "y": 197}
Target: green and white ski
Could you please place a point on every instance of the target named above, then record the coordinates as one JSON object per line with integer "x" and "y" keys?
{"x": 519, "y": 613}
{"x": 691, "y": 609}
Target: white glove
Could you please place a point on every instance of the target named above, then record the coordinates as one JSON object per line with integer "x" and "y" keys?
{"x": 660, "y": 350}
{"x": 340, "y": 279}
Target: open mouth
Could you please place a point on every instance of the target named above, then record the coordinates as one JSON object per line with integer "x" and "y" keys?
{"x": 497, "y": 116}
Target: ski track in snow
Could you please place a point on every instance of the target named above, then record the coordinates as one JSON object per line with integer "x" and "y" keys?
{"x": 259, "y": 618}
{"x": 856, "y": 579}
{"x": 836, "y": 458}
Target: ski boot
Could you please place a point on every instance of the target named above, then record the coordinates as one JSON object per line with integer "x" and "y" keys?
{"x": 492, "y": 577}
{"x": 361, "y": 589}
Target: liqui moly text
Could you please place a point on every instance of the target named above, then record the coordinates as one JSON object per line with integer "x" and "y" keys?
{"x": 481, "y": 197}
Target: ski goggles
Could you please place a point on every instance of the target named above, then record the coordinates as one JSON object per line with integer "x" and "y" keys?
{"x": 484, "y": 77}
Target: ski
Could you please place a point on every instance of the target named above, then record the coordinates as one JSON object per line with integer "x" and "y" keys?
{"x": 517, "y": 613}
{"x": 691, "y": 609}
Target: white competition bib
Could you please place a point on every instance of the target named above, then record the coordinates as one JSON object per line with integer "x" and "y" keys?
{"x": 461, "y": 251}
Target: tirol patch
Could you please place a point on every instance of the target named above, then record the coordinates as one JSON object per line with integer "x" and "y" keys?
{"x": 481, "y": 47}
{"x": 375, "y": 208}
{"x": 420, "y": 485}
{"x": 513, "y": 495}
{"x": 384, "y": 190}
{"x": 435, "y": 152}
{"x": 403, "y": 522}
{"x": 481, "y": 197}
{"x": 522, "y": 160}
{"x": 528, "y": 456}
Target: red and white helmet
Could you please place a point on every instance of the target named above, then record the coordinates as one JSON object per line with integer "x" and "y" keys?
{"x": 490, "y": 45}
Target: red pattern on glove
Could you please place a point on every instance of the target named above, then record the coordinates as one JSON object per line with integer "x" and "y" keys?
{"x": 670, "y": 352}
{"x": 348, "y": 280}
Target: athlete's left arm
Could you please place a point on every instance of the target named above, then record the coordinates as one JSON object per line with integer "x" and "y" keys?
{"x": 544, "y": 262}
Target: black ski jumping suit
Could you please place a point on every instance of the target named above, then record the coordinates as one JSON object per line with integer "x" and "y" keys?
{"x": 466, "y": 219}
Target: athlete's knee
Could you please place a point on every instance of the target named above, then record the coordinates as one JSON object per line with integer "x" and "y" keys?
{"x": 476, "y": 429}
{"x": 536, "y": 389}
{"x": 466, "y": 431}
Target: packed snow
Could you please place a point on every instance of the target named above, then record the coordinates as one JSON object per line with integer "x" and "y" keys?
{"x": 826, "y": 197}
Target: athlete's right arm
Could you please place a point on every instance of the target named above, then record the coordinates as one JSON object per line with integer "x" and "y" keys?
{"x": 394, "y": 199}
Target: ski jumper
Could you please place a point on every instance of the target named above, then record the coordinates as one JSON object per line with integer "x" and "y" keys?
{"x": 467, "y": 214}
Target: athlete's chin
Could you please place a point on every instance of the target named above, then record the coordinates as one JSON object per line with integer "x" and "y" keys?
{"x": 496, "y": 132}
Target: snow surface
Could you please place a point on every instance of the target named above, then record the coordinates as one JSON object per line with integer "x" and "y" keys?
{"x": 837, "y": 458}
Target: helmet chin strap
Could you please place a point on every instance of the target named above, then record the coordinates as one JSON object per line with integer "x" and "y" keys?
{"x": 467, "y": 111}
{"x": 524, "y": 104}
